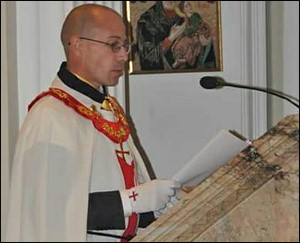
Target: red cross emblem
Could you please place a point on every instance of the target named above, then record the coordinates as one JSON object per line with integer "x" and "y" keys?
{"x": 133, "y": 195}
{"x": 122, "y": 152}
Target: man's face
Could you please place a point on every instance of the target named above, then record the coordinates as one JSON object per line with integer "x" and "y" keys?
{"x": 102, "y": 65}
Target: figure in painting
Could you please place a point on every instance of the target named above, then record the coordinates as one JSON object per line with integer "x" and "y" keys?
{"x": 194, "y": 47}
{"x": 157, "y": 29}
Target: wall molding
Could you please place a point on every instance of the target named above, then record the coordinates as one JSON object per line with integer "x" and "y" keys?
{"x": 254, "y": 72}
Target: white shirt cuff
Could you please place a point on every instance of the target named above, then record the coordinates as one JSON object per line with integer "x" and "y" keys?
{"x": 127, "y": 208}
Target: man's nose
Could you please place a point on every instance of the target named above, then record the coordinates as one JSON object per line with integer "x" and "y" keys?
{"x": 123, "y": 55}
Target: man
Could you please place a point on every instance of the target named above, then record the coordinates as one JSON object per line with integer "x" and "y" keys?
{"x": 77, "y": 174}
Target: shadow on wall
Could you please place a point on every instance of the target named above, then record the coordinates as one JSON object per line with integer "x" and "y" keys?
{"x": 140, "y": 147}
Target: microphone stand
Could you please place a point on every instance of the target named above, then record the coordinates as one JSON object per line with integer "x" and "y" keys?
{"x": 274, "y": 92}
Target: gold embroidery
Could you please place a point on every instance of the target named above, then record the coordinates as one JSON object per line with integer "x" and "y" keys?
{"x": 85, "y": 110}
{"x": 60, "y": 93}
{"x": 117, "y": 131}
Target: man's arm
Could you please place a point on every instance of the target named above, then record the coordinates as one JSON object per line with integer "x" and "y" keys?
{"x": 105, "y": 211}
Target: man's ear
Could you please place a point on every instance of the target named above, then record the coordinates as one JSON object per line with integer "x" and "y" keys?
{"x": 75, "y": 44}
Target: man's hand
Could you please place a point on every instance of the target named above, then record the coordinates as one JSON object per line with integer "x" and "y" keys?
{"x": 174, "y": 200}
{"x": 152, "y": 196}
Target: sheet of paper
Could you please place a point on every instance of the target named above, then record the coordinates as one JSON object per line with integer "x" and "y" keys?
{"x": 218, "y": 151}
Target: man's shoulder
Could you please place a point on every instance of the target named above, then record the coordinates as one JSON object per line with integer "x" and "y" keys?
{"x": 48, "y": 108}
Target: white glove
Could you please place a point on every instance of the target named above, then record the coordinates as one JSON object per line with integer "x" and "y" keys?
{"x": 151, "y": 196}
{"x": 174, "y": 200}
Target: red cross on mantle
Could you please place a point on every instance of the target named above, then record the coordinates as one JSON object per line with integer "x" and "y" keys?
{"x": 133, "y": 195}
{"x": 122, "y": 152}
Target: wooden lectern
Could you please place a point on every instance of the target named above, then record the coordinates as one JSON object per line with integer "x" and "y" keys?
{"x": 253, "y": 198}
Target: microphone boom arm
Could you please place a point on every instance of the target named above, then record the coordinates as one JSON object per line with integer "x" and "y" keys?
{"x": 274, "y": 92}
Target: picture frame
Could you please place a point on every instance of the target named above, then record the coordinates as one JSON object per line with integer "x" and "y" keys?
{"x": 173, "y": 36}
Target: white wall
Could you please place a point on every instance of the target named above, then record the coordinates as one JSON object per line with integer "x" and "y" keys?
{"x": 175, "y": 117}
{"x": 283, "y": 56}
{"x": 4, "y": 120}
{"x": 290, "y": 53}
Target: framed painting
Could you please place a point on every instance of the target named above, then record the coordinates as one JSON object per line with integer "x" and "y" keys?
{"x": 174, "y": 36}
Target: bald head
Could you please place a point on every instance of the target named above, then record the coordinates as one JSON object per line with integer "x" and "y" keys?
{"x": 83, "y": 20}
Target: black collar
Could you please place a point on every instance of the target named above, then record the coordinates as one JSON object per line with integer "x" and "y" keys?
{"x": 75, "y": 83}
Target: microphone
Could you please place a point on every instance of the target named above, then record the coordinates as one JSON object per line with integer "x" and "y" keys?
{"x": 214, "y": 82}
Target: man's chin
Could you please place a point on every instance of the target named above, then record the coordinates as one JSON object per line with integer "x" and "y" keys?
{"x": 113, "y": 82}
